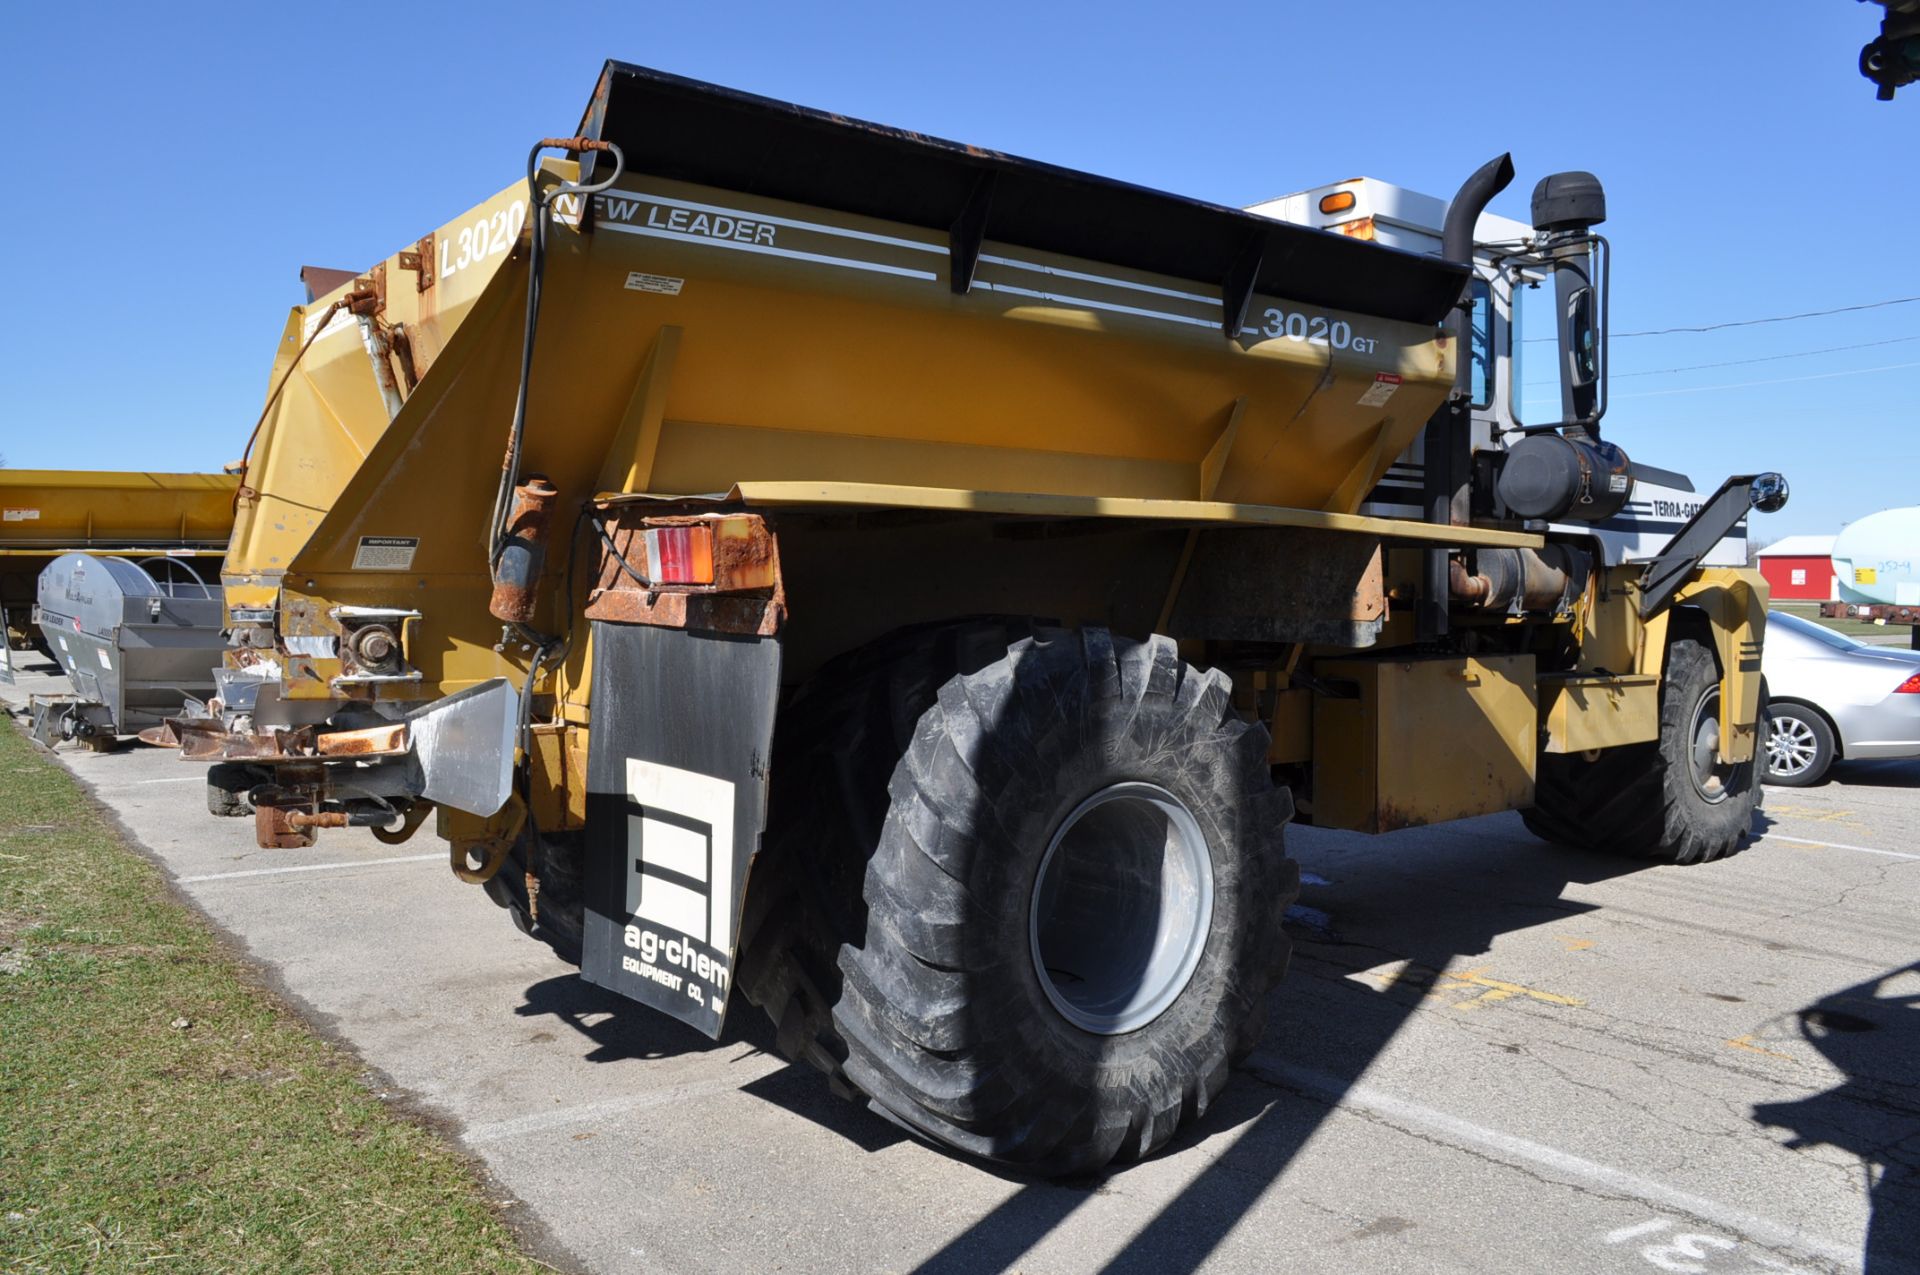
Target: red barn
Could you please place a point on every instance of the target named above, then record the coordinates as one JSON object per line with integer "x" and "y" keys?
{"x": 1800, "y": 568}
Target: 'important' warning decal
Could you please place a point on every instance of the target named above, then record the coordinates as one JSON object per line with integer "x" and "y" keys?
{"x": 385, "y": 553}
{"x": 1384, "y": 384}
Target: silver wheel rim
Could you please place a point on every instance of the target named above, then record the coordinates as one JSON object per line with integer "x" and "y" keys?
{"x": 1791, "y": 747}
{"x": 1709, "y": 772}
{"x": 1121, "y": 907}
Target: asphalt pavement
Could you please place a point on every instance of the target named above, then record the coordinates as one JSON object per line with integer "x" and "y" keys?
{"x": 1490, "y": 1055}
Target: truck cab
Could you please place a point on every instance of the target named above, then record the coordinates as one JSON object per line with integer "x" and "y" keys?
{"x": 1512, "y": 312}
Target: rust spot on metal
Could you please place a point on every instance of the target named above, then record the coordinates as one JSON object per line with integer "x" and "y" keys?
{"x": 301, "y": 819}
{"x": 709, "y": 612}
{"x": 576, "y": 144}
{"x": 427, "y": 262}
{"x": 379, "y": 276}
{"x": 516, "y": 576}
{"x": 273, "y": 828}
{"x": 402, "y": 342}
{"x": 1467, "y": 588}
{"x": 1389, "y": 817}
{"x": 747, "y": 595}
{"x": 161, "y": 736}
{"x": 366, "y": 299}
{"x": 373, "y": 741}
{"x": 206, "y": 740}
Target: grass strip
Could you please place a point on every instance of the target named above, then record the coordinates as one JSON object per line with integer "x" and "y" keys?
{"x": 161, "y": 1109}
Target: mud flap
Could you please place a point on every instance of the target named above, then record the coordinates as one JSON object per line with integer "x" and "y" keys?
{"x": 676, "y": 803}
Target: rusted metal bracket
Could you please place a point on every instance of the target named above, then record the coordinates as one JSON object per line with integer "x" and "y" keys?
{"x": 204, "y": 739}
{"x": 378, "y": 275}
{"x": 274, "y": 829}
{"x": 747, "y": 596}
{"x": 419, "y": 259}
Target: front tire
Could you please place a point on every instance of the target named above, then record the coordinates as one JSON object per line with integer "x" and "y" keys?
{"x": 1073, "y": 878}
{"x": 1671, "y": 800}
{"x": 1800, "y": 746}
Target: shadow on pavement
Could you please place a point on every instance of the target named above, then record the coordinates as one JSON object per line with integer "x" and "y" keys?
{"x": 620, "y": 1030}
{"x": 1871, "y": 1033}
{"x": 1383, "y": 923}
{"x": 1877, "y": 773}
{"x": 1426, "y": 898}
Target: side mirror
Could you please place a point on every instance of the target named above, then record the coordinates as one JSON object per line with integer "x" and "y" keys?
{"x": 1583, "y": 342}
{"x": 1566, "y": 208}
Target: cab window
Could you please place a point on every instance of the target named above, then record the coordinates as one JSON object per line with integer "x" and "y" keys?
{"x": 1482, "y": 343}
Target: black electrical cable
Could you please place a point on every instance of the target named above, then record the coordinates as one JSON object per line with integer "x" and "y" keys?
{"x": 620, "y": 558}
{"x": 538, "y": 202}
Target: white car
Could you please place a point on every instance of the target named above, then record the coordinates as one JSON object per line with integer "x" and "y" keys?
{"x": 1831, "y": 697}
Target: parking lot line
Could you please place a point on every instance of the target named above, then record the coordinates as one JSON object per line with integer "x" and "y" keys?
{"x": 1837, "y": 845}
{"x": 1464, "y": 1133}
{"x": 309, "y": 867}
{"x": 587, "y": 1113}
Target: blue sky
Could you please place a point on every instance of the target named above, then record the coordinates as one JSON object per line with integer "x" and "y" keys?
{"x": 182, "y": 162}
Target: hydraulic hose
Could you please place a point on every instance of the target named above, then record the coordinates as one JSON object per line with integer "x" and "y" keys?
{"x": 246, "y": 456}
{"x": 547, "y": 648}
{"x": 539, "y": 201}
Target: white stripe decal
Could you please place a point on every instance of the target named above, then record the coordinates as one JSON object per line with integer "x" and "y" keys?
{"x": 1098, "y": 305}
{"x": 767, "y": 249}
{"x": 1038, "y": 268}
{"x": 310, "y": 867}
{"x": 770, "y": 219}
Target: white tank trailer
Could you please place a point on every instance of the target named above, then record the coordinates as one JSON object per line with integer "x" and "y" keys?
{"x": 1874, "y": 561}
{"x": 136, "y": 640}
{"x": 1875, "y": 558}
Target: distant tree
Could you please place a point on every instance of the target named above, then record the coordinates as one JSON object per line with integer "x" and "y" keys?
{"x": 1754, "y": 545}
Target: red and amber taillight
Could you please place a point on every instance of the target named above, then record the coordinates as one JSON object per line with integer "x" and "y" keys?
{"x": 680, "y": 554}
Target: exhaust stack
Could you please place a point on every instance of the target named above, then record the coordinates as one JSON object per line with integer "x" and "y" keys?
{"x": 1448, "y": 441}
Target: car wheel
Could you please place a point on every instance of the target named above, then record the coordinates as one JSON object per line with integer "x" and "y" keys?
{"x": 1799, "y": 746}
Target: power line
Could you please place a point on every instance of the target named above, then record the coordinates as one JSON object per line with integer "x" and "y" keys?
{"x": 1740, "y": 385}
{"x": 1774, "y": 358}
{"x": 1749, "y": 323}
{"x": 1779, "y": 380}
